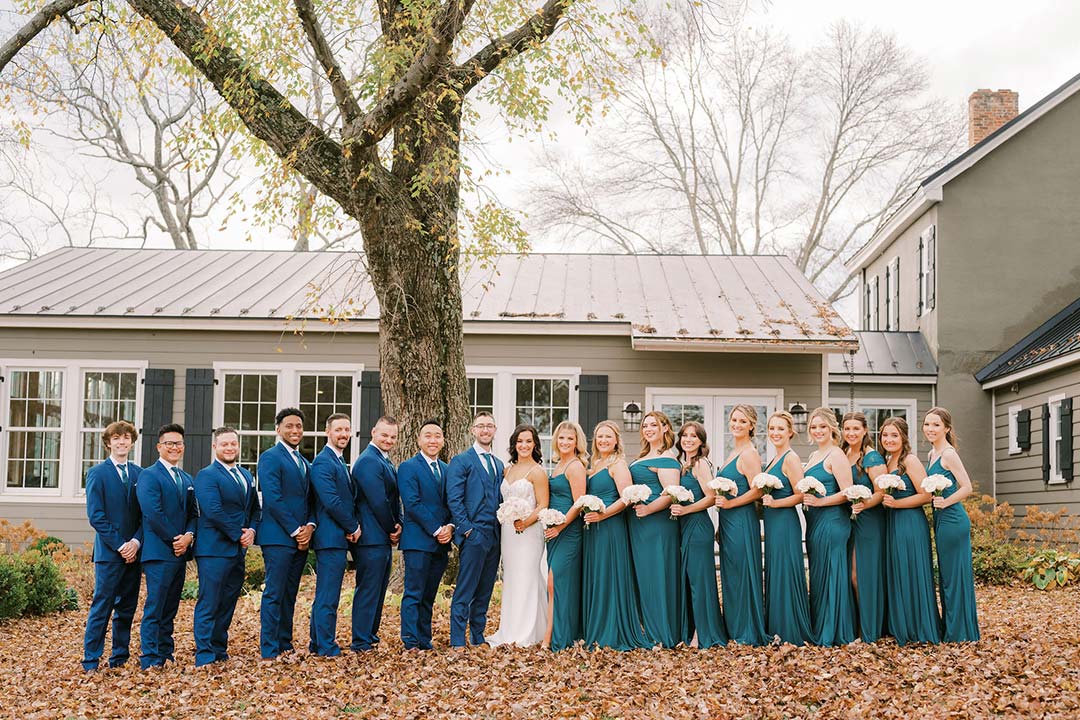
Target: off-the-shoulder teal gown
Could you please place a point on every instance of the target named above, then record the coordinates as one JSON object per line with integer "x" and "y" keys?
{"x": 787, "y": 604}
{"x": 699, "y": 572}
{"x": 909, "y": 583}
{"x": 952, "y": 534}
{"x": 832, "y": 607}
{"x": 741, "y": 577}
{"x": 868, "y": 551}
{"x": 564, "y": 561}
{"x": 654, "y": 543}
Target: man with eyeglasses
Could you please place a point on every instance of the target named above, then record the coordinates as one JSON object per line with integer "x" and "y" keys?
{"x": 169, "y": 511}
{"x": 472, "y": 493}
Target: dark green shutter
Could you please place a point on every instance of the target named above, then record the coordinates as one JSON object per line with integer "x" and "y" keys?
{"x": 1046, "y": 443}
{"x": 592, "y": 401}
{"x": 888, "y": 298}
{"x": 931, "y": 269}
{"x": 866, "y": 300}
{"x": 919, "y": 271}
{"x": 1065, "y": 449}
{"x": 198, "y": 418}
{"x": 1023, "y": 429}
{"x": 371, "y": 407}
{"x": 157, "y": 409}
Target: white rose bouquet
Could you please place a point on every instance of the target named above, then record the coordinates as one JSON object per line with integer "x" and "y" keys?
{"x": 766, "y": 483}
{"x": 724, "y": 485}
{"x": 857, "y": 494}
{"x": 890, "y": 483}
{"x": 512, "y": 510}
{"x": 634, "y": 494}
{"x": 812, "y": 486}
{"x": 678, "y": 495}
{"x": 936, "y": 484}
{"x": 590, "y": 503}
{"x": 550, "y": 517}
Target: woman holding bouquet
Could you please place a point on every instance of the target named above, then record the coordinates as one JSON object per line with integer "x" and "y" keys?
{"x": 787, "y": 607}
{"x": 868, "y": 529}
{"x": 909, "y": 571}
{"x": 611, "y": 616}
{"x": 952, "y": 531}
{"x": 740, "y": 535}
{"x": 523, "y": 612}
{"x": 654, "y": 539}
{"x": 828, "y": 527}
{"x": 696, "y": 539}
{"x": 566, "y": 485}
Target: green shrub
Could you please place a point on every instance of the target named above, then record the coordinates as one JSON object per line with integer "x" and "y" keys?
{"x": 12, "y": 587}
{"x": 309, "y": 563}
{"x": 47, "y": 545}
{"x": 71, "y": 600}
{"x": 254, "y": 569}
{"x": 190, "y": 591}
{"x": 996, "y": 559}
{"x": 1048, "y": 569}
{"x": 45, "y": 588}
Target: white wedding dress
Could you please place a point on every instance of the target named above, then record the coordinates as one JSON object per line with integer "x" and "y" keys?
{"x": 523, "y": 614}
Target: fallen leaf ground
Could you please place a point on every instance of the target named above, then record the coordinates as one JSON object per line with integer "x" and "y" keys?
{"x": 1027, "y": 665}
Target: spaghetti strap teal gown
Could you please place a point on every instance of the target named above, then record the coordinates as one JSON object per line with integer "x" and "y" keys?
{"x": 610, "y": 613}
{"x": 654, "y": 541}
{"x": 868, "y": 550}
{"x": 832, "y": 607}
{"x": 699, "y": 573}
{"x": 909, "y": 574}
{"x": 564, "y": 561}
{"x": 787, "y": 604}
{"x": 952, "y": 535}
{"x": 740, "y": 566}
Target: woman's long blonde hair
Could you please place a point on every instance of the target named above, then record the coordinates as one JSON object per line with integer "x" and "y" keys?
{"x": 581, "y": 444}
{"x": 946, "y": 420}
{"x": 668, "y": 433}
{"x": 829, "y": 417}
{"x": 618, "y": 453}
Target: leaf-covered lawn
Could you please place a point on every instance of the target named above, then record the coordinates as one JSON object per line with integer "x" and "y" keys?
{"x": 1028, "y": 664}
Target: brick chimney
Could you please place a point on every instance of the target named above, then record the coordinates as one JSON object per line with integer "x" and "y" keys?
{"x": 988, "y": 110}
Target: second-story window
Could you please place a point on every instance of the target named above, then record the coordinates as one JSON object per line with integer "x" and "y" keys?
{"x": 926, "y": 266}
{"x": 892, "y": 295}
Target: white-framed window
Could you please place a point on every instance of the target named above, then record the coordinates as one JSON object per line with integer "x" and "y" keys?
{"x": 52, "y": 414}
{"x": 481, "y": 395}
{"x": 1054, "y": 401}
{"x": 1014, "y": 429}
{"x": 878, "y": 410}
{"x": 711, "y": 407}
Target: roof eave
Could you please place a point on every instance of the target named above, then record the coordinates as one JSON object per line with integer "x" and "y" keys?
{"x": 639, "y": 342}
{"x": 1033, "y": 371}
{"x": 924, "y": 198}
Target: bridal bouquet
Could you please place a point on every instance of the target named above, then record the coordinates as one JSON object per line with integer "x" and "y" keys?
{"x": 766, "y": 483}
{"x": 634, "y": 494}
{"x": 812, "y": 486}
{"x": 935, "y": 484}
{"x": 678, "y": 495}
{"x": 724, "y": 485}
{"x": 890, "y": 483}
{"x": 590, "y": 503}
{"x": 856, "y": 494}
{"x": 512, "y": 510}
{"x": 550, "y": 517}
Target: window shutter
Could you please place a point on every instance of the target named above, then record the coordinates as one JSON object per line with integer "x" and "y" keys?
{"x": 592, "y": 401}
{"x": 931, "y": 269}
{"x": 888, "y": 297}
{"x": 371, "y": 407}
{"x": 1065, "y": 449}
{"x": 198, "y": 417}
{"x": 866, "y": 302}
{"x": 1023, "y": 429}
{"x": 1046, "y": 442}
{"x": 896, "y": 294}
{"x": 877, "y": 296}
{"x": 919, "y": 280}
{"x": 157, "y": 409}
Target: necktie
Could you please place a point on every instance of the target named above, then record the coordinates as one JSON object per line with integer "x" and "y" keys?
{"x": 435, "y": 470}
{"x": 239, "y": 479}
{"x": 299, "y": 462}
{"x": 123, "y": 474}
{"x": 490, "y": 465}
{"x": 179, "y": 483}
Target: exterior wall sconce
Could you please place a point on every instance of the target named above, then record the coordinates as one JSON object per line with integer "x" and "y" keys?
{"x": 631, "y": 415}
{"x": 798, "y": 414}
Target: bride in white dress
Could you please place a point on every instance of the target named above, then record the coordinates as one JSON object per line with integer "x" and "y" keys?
{"x": 523, "y": 613}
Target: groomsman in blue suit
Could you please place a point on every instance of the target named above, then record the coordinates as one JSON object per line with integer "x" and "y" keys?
{"x": 285, "y": 531}
{"x": 425, "y": 535}
{"x": 379, "y": 511}
{"x": 228, "y": 518}
{"x": 113, "y": 511}
{"x": 169, "y": 511}
{"x": 472, "y": 492}
{"x": 336, "y": 533}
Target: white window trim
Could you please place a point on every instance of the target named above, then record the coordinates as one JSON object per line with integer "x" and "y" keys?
{"x": 777, "y": 394}
{"x": 892, "y": 289}
{"x": 1054, "y": 401}
{"x": 1014, "y": 429}
{"x": 924, "y": 275}
{"x": 885, "y": 403}
{"x": 875, "y": 304}
{"x": 70, "y": 421}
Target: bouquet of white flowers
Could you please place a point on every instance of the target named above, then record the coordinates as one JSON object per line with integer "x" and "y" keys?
{"x": 678, "y": 495}
{"x": 856, "y": 494}
{"x": 724, "y": 485}
{"x": 634, "y": 494}
{"x": 513, "y": 509}
{"x": 550, "y": 517}
{"x": 590, "y": 503}
{"x": 890, "y": 483}
{"x": 766, "y": 483}
{"x": 812, "y": 486}
{"x": 935, "y": 484}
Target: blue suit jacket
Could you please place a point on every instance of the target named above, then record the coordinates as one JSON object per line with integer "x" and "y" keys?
{"x": 469, "y": 492}
{"x": 335, "y": 501}
{"x": 166, "y": 512}
{"x": 423, "y": 500}
{"x": 377, "y": 503}
{"x": 286, "y": 497}
{"x": 224, "y": 511}
{"x": 112, "y": 510}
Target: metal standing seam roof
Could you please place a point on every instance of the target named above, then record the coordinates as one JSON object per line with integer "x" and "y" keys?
{"x": 713, "y": 298}
{"x": 887, "y": 353}
{"x": 1057, "y": 337}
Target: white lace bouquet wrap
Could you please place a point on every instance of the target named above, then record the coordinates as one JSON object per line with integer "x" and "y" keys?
{"x": 766, "y": 483}
{"x": 725, "y": 486}
{"x": 590, "y": 503}
{"x": 856, "y": 494}
{"x": 678, "y": 495}
{"x": 512, "y": 510}
{"x": 634, "y": 494}
{"x": 935, "y": 484}
{"x": 890, "y": 483}
{"x": 550, "y": 517}
{"x": 812, "y": 486}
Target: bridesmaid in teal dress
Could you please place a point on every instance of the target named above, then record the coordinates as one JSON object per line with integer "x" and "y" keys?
{"x": 611, "y": 616}
{"x": 696, "y": 542}
{"x": 952, "y": 531}
{"x": 909, "y": 582}
{"x": 867, "y": 530}
{"x": 654, "y": 539}
{"x": 787, "y": 604}
{"x": 566, "y": 485}
{"x": 828, "y": 529}
{"x": 740, "y": 535}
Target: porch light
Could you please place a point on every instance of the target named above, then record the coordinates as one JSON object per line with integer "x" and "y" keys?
{"x": 798, "y": 414}
{"x": 631, "y": 415}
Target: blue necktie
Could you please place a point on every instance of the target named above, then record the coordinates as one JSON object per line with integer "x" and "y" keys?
{"x": 239, "y": 479}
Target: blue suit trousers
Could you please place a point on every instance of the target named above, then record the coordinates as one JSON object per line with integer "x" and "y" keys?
{"x": 164, "y": 583}
{"x": 372, "y": 576}
{"x": 476, "y": 579}
{"x": 423, "y": 571}
{"x": 329, "y": 574}
{"x": 220, "y": 582}
{"x": 284, "y": 567}
{"x": 116, "y": 593}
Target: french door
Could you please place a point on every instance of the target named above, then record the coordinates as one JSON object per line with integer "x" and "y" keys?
{"x": 711, "y": 408}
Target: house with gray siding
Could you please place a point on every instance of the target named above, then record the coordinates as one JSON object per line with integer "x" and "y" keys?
{"x": 213, "y": 337}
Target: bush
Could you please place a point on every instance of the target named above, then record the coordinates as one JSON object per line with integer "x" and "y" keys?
{"x": 995, "y": 558}
{"x": 45, "y": 589}
{"x": 254, "y": 569}
{"x": 48, "y": 545}
{"x": 190, "y": 591}
{"x": 71, "y": 600}
{"x": 12, "y": 587}
{"x": 1048, "y": 569}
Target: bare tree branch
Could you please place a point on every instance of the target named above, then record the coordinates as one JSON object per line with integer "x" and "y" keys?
{"x": 41, "y": 20}
{"x": 346, "y": 101}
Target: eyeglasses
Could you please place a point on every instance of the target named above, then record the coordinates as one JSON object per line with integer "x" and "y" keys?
{"x": 173, "y": 444}
{"x": 484, "y": 426}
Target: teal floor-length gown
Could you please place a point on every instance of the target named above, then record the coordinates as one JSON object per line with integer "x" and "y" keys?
{"x": 952, "y": 535}
{"x": 909, "y": 582}
{"x": 868, "y": 549}
{"x": 564, "y": 561}
{"x": 741, "y": 577}
{"x": 699, "y": 572}
{"x": 611, "y": 616}
{"x": 787, "y": 602}
{"x": 828, "y": 529}
{"x": 654, "y": 541}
